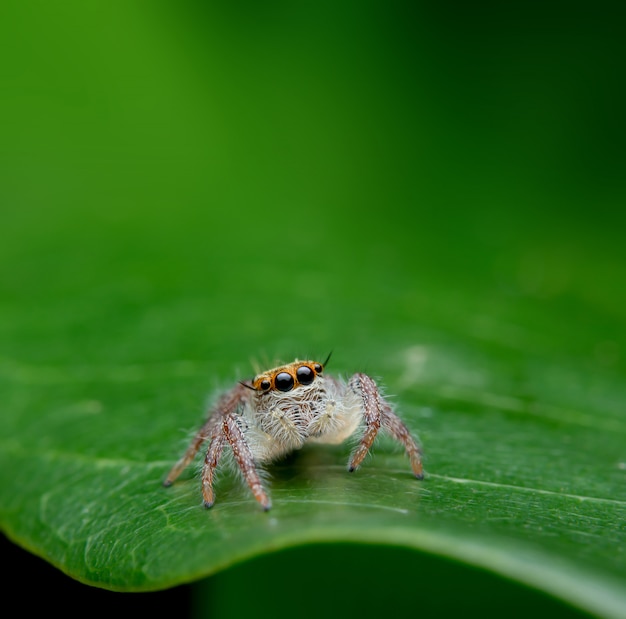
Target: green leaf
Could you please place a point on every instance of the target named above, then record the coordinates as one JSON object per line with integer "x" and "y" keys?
{"x": 189, "y": 203}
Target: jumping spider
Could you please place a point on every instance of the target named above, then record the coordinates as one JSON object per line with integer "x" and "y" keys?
{"x": 282, "y": 409}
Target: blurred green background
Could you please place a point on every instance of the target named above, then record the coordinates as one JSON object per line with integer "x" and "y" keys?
{"x": 441, "y": 166}
{"x": 252, "y": 181}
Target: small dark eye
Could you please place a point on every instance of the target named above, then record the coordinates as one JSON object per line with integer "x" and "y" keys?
{"x": 305, "y": 375}
{"x": 318, "y": 368}
{"x": 265, "y": 384}
{"x": 284, "y": 381}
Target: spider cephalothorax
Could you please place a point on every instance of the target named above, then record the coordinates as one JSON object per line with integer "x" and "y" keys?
{"x": 282, "y": 409}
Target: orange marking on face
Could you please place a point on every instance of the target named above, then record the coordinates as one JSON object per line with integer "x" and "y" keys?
{"x": 288, "y": 377}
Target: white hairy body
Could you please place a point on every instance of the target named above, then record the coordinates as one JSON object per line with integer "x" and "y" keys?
{"x": 323, "y": 412}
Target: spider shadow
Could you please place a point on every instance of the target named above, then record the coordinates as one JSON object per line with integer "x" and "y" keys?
{"x": 310, "y": 462}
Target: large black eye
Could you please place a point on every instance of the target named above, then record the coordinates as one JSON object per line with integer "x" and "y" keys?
{"x": 305, "y": 375}
{"x": 284, "y": 381}
{"x": 265, "y": 384}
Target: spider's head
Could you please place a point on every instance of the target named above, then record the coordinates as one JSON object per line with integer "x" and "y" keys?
{"x": 288, "y": 377}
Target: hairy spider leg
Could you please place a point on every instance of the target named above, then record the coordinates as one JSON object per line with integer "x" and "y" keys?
{"x": 367, "y": 390}
{"x": 392, "y": 423}
{"x": 181, "y": 465}
{"x": 377, "y": 413}
{"x": 225, "y": 405}
{"x": 211, "y": 460}
{"x": 245, "y": 459}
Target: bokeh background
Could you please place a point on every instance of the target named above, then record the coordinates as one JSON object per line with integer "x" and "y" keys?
{"x": 292, "y": 162}
{"x": 252, "y": 181}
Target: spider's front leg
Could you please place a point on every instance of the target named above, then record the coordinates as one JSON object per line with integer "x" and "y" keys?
{"x": 222, "y": 427}
{"x": 245, "y": 459}
{"x": 378, "y": 414}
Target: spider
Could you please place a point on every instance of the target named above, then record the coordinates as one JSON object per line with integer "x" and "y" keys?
{"x": 285, "y": 407}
